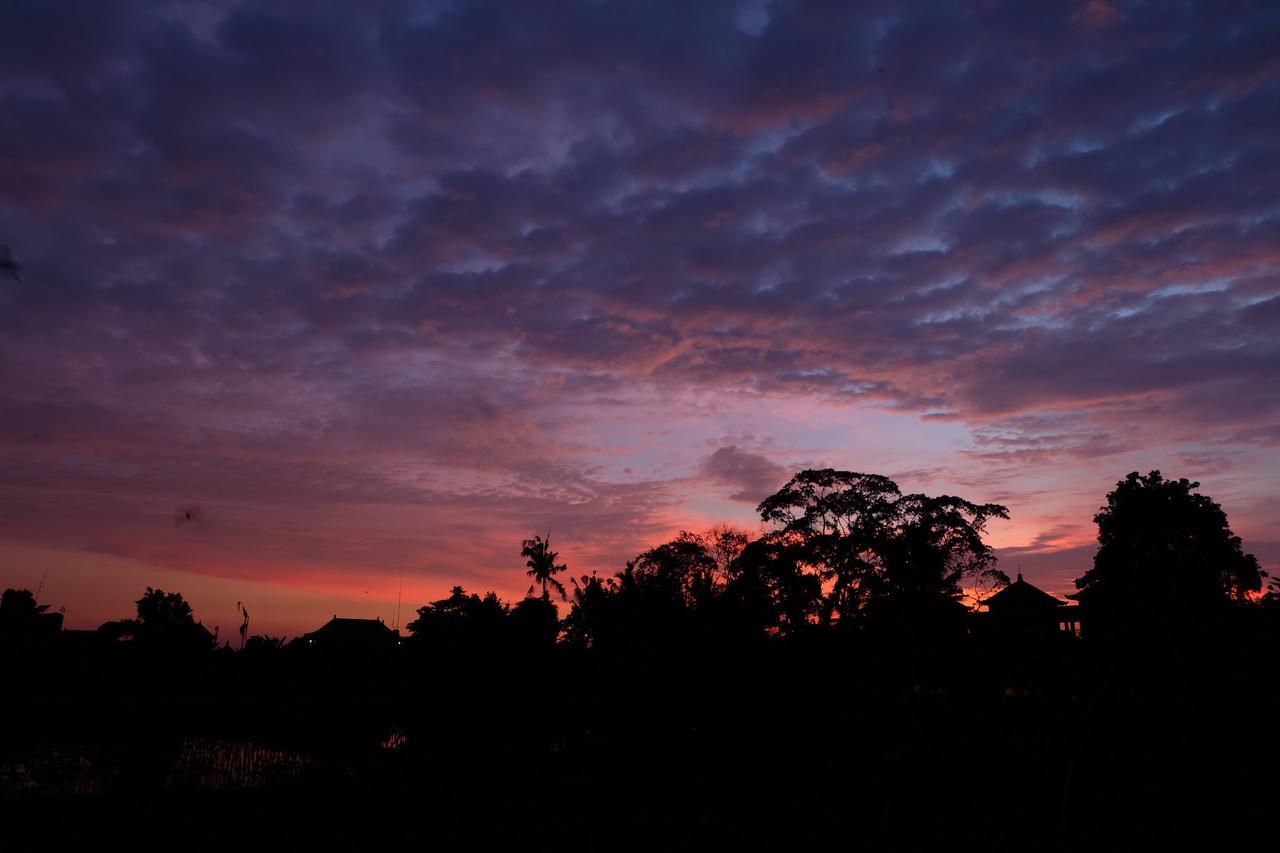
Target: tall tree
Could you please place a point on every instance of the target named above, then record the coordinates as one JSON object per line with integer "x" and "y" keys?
{"x": 936, "y": 543}
{"x": 20, "y": 601}
{"x": 725, "y": 543}
{"x": 589, "y": 615}
{"x": 770, "y": 590}
{"x": 543, "y": 567}
{"x": 165, "y": 619}
{"x": 830, "y": 520}
{"x": 162, "y": 611}
{"x": 459, "y": 617}
{"x": 871, "y": 545}
{"x": 534, "y": 625}
{"x": 464, "y": 637}
{"x": 684, "y": 566}
{"x": 1163, "y": 548}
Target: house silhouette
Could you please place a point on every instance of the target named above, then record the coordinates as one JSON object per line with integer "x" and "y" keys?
{"x": 343, "y": 634}
{"x": 1024, "y": 610}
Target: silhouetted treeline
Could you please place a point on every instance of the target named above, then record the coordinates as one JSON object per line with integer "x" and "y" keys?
{"x": 836, "y": 658}
{"x": 848, "y": 566}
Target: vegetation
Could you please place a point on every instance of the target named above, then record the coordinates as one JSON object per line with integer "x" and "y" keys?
{"x": 790, "y": 685}
{"x": 1165, "y": 550}
{"x": 20, "y": 602}
{"x": 542, "y": 564}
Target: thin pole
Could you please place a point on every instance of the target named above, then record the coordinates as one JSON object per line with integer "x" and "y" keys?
{"x": 399, "y": 593}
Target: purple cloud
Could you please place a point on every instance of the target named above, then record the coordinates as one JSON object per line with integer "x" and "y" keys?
{"x": 755, "y": 477}
{"x": 441, "y": 254}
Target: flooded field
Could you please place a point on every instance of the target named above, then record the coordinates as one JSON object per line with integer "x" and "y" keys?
{"x": 195, "y": 764}
{"x": 220, "y": 765}
{"x": 60, "y": 771}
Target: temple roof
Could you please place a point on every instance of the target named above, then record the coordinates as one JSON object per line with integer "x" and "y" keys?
{"x": 353, "y": 629}
{"x": 1022, "y": 595}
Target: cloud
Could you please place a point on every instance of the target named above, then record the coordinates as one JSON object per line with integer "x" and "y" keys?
{"x": 754, "y": 476}
{"x": 394, "y": 250}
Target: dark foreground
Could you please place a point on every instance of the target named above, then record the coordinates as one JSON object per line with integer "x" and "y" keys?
{"x": 850, "y": 763}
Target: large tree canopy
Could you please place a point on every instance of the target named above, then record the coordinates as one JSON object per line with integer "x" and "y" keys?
{"x": 165, "y": 620}
{"x": 873, "y": 545}
{"x": 163, "y": 611}
{"x": 1163, "y": 546}
{"x": 20, "y": 602}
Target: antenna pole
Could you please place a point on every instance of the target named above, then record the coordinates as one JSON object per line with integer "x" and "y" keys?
{"x": 399, "y": 593}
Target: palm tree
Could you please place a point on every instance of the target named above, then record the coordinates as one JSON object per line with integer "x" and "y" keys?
{"x": 543, "y": 568}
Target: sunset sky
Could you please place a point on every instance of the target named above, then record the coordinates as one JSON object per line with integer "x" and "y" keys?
{"x": 384, "y": 291}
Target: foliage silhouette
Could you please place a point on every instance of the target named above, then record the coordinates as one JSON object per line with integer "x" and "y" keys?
{"x": 542, "y": 564}
{"x": 165, "y": 621}
{"x": 772, "y": 591}
{"x": 876, "y": 549}
{"x": 725, "y": 543}
{"x": 458, "y": 619}
{"x": 535, "y": 624}
{"x": 161, "y": 611}
{"x": 261, "y": 644}
{"x": 20, "y": 601}
{"x": 585, "y": 621}
{"x": 1165, "y": 553}
{"x": 699, "y": 671}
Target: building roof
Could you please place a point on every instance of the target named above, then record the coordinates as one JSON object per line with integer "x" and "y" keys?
{"x": 1021, "y": 595}
{"x": 342, "y": 630}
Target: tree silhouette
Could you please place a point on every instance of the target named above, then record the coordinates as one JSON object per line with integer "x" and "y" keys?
{"x": 161, "y": 611}
{"x": 535, "y": 624}
{"x": 20, "y": 602}
{"x": 263, "y": 645}
{"x": 769, "y": 591}
{"x": 937, "y": 542}
{"x": 1272, "y": 598}
{"x": 875, "y": 547}
{"x": 543, "y": 568}
{"x": 684, "y": 565}
{"x": 458, "y": 621}
{"x": 828, "y": 520}
{"x": 589, "y": 615}
{"x": 1164, "y": 550}
{"x": 725, "y": 543}
{"x": 165, "y": 619}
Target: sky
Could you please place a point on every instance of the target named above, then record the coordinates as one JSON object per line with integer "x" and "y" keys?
{"x": 384, "y": 288}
